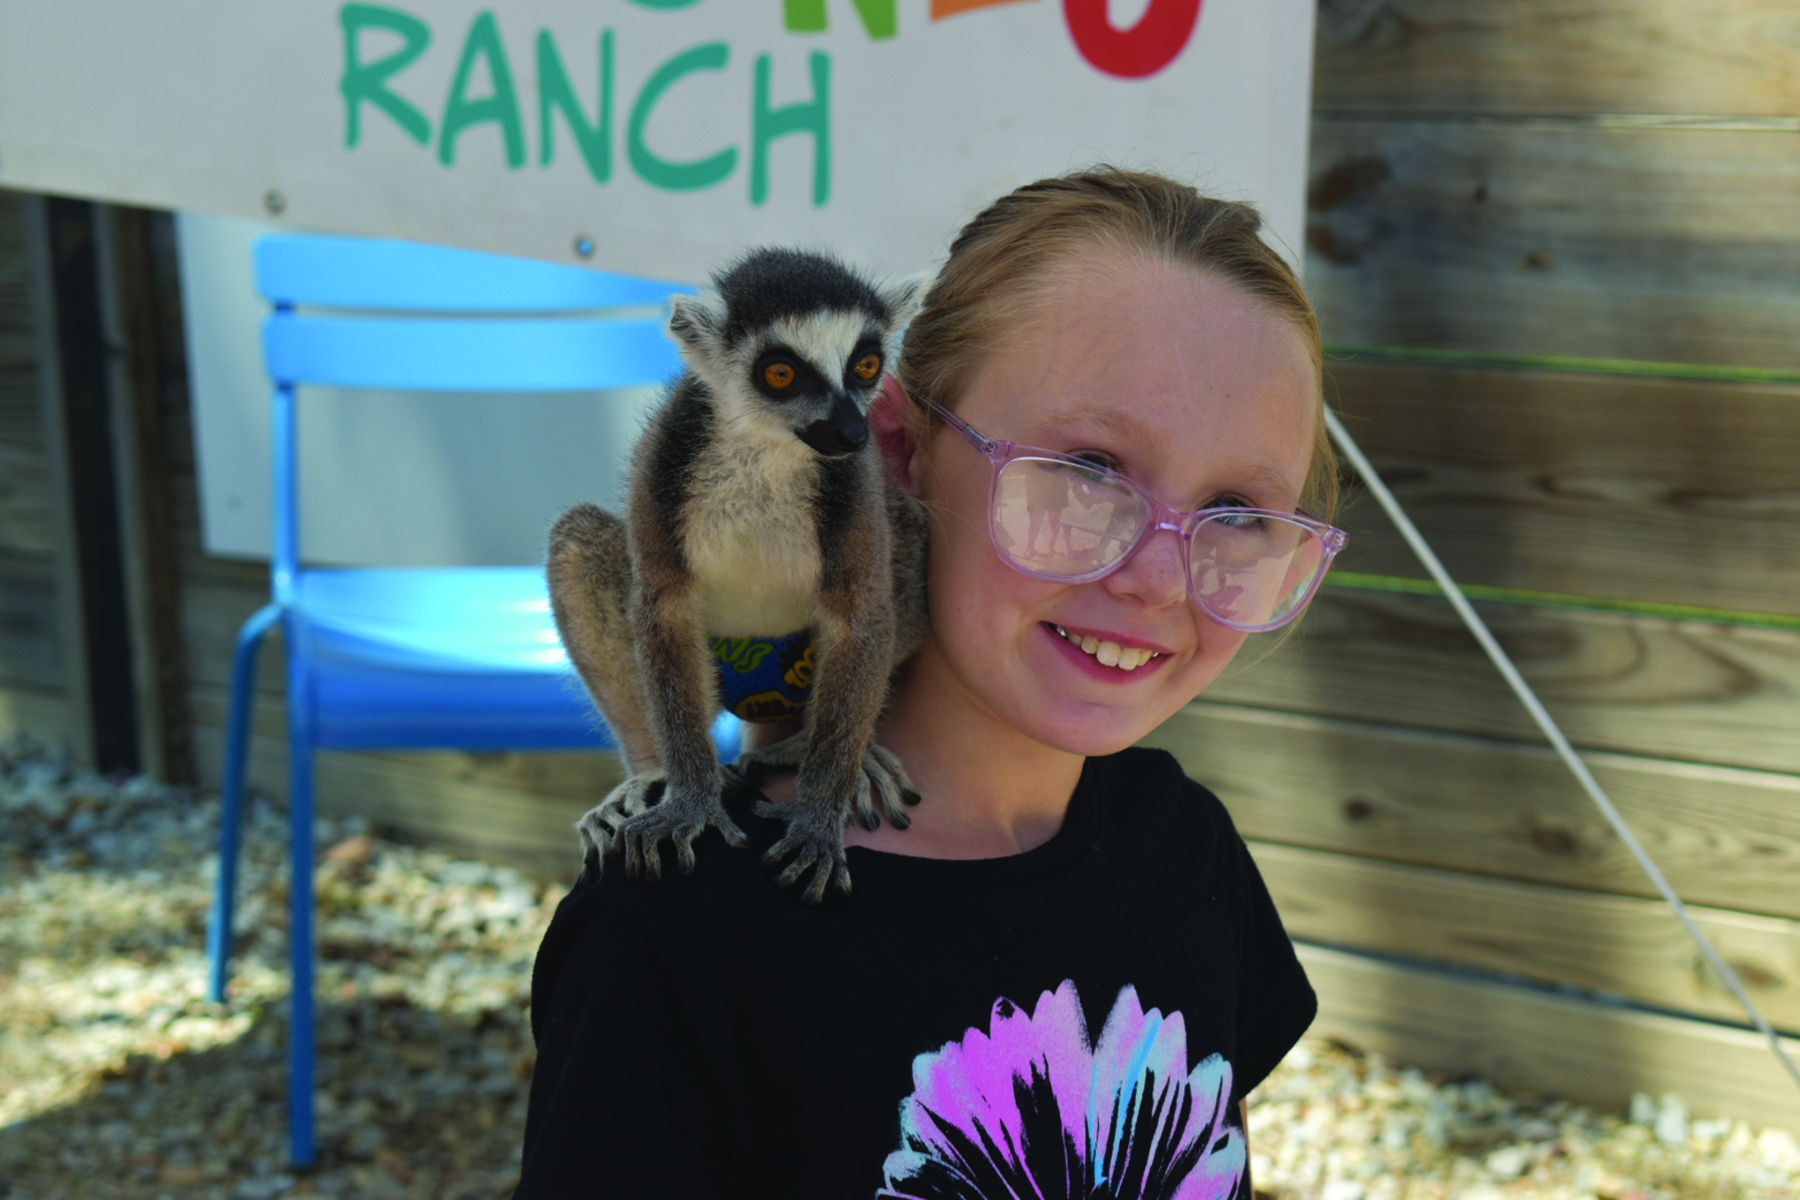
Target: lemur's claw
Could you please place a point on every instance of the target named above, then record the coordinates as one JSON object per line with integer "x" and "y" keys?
{"x": 816, "y": 845}
{"x": 680, "y": 817}
{"x": 883, "y": 776}
{"x": 599, "y": 826}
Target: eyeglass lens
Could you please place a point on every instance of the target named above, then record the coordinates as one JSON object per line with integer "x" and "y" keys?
{"x": 1056, "y": 520}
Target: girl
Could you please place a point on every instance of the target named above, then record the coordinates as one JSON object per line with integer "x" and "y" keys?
{"x": 1063, "y": 979}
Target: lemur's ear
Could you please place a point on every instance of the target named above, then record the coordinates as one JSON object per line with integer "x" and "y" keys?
{"x": 905, "y": 298}
{"x": 697, "y": 323}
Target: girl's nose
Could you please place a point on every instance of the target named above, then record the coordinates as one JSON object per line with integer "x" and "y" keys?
{"x": 1155, "y": 573}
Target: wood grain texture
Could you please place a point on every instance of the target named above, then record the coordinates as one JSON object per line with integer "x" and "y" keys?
{"x": 1619, "y": 944}
{"x": 1723, "y": 836}
{"x": 1526, "y": 1039}
{"x": 31, "y": 650}
{"x": 1637, "y": 685}
{"x": 1736, "y": 57}
{"x": 1652, "y": 244}
{"x": 38, "y": 714}
{"x": 1667, "y": 490}
{"x": 517, "y": 808}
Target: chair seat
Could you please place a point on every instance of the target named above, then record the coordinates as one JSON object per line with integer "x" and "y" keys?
{"x": 454, "y": 657}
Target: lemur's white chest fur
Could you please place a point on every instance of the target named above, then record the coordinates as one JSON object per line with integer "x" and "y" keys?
{"x": 753, "y": 543}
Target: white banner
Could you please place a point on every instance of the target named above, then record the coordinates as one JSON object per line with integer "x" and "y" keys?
{"x": 659, "y": 137}
{"x": 651, "y": 136}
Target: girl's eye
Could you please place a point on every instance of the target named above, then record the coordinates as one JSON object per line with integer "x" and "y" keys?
{"x": 869, "y": 366}
{"x": 1103, "y": 462}
{"x": 778, "y": 375}
{"x": 1234, "y": 520}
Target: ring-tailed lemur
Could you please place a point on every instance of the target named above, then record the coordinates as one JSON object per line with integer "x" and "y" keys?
{"x": 757, "y": 508}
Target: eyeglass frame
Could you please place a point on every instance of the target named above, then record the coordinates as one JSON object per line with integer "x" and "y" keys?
{"x": 1185, "y": 525}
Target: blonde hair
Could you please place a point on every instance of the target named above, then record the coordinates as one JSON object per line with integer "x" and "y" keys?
{"x": 1001, "y": 263}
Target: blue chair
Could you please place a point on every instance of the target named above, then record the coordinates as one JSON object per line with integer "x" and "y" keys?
{"x": 413, "y": 658}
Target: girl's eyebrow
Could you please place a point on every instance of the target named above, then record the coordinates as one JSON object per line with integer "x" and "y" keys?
{"x": 1121, "y": 425}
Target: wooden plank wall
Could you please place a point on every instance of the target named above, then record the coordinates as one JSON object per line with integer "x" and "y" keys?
{"x": 34, "y": 686}
{"x": 1495, "y": 182}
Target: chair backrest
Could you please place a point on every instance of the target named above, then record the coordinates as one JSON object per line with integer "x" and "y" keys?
{"x": 376, "y": 313}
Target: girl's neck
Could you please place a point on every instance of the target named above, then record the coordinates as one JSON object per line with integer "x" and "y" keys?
{"x": 986, "y": 790}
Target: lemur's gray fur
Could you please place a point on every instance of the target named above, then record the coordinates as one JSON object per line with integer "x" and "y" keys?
{"x": 757, "y": 508}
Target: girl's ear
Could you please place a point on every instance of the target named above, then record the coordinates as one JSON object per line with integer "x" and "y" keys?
{"x": 888, "y": 419}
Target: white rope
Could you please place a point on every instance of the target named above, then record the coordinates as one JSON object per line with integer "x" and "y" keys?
{"x": 1372, "y": 480}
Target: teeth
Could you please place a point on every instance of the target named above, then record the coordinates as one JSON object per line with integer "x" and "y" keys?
{"x": 1110, "y": 654}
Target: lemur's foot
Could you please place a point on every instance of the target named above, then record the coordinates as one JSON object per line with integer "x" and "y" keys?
{"x": 681, "y": 816}
{"x": 599, "y": 827}
{"x": 882, "y": 778}
{"x": 815, "y": 837}
{"x": 885, "y": 779}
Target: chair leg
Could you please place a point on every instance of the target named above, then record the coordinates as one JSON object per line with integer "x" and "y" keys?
{"x": 237, "y": 743}
{"x": 301, "y": 1029}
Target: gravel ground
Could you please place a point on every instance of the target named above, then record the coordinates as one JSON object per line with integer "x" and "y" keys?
{"x": 118, "y": 1078}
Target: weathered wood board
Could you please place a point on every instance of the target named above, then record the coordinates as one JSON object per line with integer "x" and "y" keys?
{"x": 1667, "y": 490}
{"x": 1637, "y": 685}
{"x": 1555, "y": 57}
{"x": 36, "y": 714}
{"x": 34, "y": 695}
{"x": 1723, "y": 836}
{"x": 518, "y": 808}
{"x": 1570, "y": 239}
{"x": 30, "y": 648}
{"x": 1620, "y": 944}
{"x": 1522, "y": 1038}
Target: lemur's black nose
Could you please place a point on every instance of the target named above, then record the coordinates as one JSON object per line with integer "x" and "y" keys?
{"x": 845, "y": 431}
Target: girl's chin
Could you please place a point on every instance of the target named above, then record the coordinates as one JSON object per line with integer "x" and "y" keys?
{"x": 1088, "y": 734}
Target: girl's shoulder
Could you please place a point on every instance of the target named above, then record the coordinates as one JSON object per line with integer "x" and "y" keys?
{"x": 1142, "y": 786}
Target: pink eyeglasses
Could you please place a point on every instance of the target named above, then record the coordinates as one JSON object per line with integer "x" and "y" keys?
{"x": 1059, "y": 518}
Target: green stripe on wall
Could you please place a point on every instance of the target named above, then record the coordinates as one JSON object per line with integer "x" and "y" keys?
{"x": 1554, "y": 362}
{"x": 1636, "y": 608}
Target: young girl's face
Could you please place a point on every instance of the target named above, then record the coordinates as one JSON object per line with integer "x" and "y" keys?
{"x": 1172, "y": 376}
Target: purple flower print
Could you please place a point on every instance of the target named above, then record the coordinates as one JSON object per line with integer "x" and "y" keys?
{"x": 1033, "y": 1109}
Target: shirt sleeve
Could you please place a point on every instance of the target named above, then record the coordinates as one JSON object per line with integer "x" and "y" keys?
{"x": 619, "y": 1099}
{"x": 1276, "y": 1002}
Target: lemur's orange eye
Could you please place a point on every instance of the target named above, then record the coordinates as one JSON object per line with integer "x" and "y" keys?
{"x": 869, "y": 366}
{"x": 778, "y": 375}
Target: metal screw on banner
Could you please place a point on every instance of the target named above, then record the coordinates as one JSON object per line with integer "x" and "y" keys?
{"x": 584, "y": 245}
{"x": 275, "y": 202}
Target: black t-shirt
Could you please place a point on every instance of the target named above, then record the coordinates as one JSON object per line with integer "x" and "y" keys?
{"x": 1090, "y": 1010}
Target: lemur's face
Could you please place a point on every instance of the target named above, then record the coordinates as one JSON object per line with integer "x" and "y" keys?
{"x": 814, "y": 378}
{"x": 792, "y": 347}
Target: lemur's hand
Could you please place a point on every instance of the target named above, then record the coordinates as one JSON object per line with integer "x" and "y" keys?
{"x": 815, "y": 837}
{"x": 599, "y": 826}
{"x": 681, "y": 816}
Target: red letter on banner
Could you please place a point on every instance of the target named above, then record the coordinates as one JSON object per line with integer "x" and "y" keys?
{"x": 1145, "y": 48}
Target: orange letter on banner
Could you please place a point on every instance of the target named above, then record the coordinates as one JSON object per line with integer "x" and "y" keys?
{"x": 1144, "y": 49}
{"x": 949, "y": 8}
